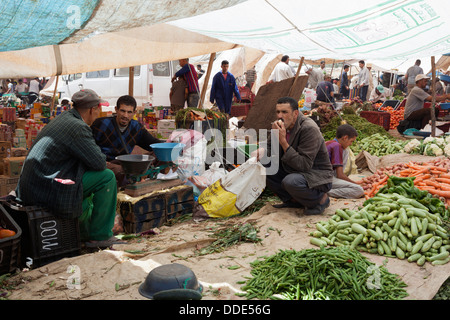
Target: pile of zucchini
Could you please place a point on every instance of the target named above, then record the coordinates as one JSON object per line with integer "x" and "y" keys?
{"x": 389, "y": 224}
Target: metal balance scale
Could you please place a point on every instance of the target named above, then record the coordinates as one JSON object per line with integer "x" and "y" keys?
{"x": 137, "y": 166}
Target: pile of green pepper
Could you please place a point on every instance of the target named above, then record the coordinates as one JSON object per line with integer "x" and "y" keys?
{"x": 404, "y": 186}
{"x": 336, "y": 273}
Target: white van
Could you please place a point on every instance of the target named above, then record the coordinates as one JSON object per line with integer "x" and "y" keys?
{"x": 152, "y": 83}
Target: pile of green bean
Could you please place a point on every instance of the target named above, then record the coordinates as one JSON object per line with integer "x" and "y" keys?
{"x": 335, "y": 273}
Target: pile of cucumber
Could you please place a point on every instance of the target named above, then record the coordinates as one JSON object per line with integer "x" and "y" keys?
{"x": 390, "y": 224}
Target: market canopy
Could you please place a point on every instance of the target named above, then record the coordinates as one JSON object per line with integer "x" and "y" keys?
{"x": 36, "y": 38}
{"x": 380, "y": 29}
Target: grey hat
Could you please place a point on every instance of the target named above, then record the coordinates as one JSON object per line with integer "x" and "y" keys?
{"x": 86, "y": 99}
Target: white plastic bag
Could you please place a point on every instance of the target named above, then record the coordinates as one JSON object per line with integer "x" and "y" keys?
{"x": 210, "y": 176}
{"x": 192, "y": 161}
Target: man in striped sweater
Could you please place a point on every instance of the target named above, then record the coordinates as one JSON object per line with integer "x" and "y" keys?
{"x": 189, "y": 74}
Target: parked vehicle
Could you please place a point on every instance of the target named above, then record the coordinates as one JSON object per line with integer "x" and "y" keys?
{"x": 152, "y": 83}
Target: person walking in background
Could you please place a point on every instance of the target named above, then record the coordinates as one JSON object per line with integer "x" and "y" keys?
{"x": 200, "y": 71}
{"x": 325, "y": 90}
{"x": 223, "y": 87}
{"x": 314, "y": 77}
{"x": 250, "y": 77}
{"x": 282, "y": 70}
{"x": 344, "y": 88}
{"x": 190, "y": 75}
{"x": 363, "y": 81}
{"x": 411, "y": 73}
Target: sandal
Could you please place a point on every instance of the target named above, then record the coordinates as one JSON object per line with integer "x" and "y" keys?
{"x": 103, "y": 243}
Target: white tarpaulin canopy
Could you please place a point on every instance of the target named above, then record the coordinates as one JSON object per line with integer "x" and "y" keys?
{"x": 395, "y": 30}
{"x": 377, "y": 29}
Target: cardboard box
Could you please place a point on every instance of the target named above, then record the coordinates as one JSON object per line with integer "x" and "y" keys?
{"x": 13, "y": 166}
{"x": 166, "y": 124}
{"x": 21, "y": 123}
{"x": 165, "y": 128}
{"x": 5, "y": 149}
{"x": 7, "y": 184}
{"x": 18, "y": 152}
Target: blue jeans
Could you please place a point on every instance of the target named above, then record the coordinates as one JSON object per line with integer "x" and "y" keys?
{"x": 293, "y": 186}
{"x": 363, "y": 93}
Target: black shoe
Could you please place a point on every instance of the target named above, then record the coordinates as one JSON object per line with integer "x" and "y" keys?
{"x": 288, "y": 204}
{"x": 319, "y": 209}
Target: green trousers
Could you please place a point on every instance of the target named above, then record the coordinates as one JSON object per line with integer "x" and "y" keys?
{"x": 99, "y": 205}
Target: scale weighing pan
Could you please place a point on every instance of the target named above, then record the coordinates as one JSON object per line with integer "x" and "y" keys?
{"x": 135, "y": 164}
{"x": 167, "y": 151}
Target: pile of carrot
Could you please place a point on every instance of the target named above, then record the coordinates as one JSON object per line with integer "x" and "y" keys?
{"x": 432, "y": 176}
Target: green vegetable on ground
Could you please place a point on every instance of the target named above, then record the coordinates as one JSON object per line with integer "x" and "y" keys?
{"x": 406, "y": 226}
{"x": 336, "y": 273}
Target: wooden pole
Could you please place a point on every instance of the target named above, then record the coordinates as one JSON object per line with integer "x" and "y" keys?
{"x": 332, "y": 67}
{"x": 433, "y": 94}
{"x": 296, "y": 75}
{"x": 207, "y": 75}
{"x": 54, "y": 93}
{"x": 131, "y": 81}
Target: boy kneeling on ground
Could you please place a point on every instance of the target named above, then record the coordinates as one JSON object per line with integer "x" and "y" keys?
{"x": 342, "y": 185}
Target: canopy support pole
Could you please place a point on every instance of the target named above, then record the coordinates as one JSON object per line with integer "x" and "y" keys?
{"x": 58, "y": 61}
{"x": 131, "y": 81}
{"x": 296, "y": 75}
{"x": 433, "y": 95}
{"x": 53, "y": 98}
{"x": 332, "y": 67}
{"x": 207, "y": 75}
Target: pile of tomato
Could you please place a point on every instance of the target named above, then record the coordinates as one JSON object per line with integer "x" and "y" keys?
{"x": 396, "y": 115}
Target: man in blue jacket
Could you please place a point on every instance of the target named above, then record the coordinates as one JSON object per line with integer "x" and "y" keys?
{"x": 223, "y": 87}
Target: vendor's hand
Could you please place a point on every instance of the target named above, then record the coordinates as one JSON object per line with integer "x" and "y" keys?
{"x": 281, "y": 130}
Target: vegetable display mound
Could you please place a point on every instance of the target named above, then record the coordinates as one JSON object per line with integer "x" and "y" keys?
{"x": 399, "y": 221}
{"x": 322, "y": 274}
{"x": 379, "y": 145}
{"x": 363, "y": 127}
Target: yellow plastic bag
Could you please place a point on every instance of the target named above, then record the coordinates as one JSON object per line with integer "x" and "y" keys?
{"x": 234, "y": 192}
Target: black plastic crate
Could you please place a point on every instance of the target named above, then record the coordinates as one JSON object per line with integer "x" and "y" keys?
{"x": 391, "y": 103}
{"x": 9, "y": 247}
{"x": 45, "y": 237}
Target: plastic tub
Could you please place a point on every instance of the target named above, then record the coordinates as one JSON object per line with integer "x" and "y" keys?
{"x": 167, "y": 151}
{"x": 445, "y": 105}
{"x": 444, "y": 77}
